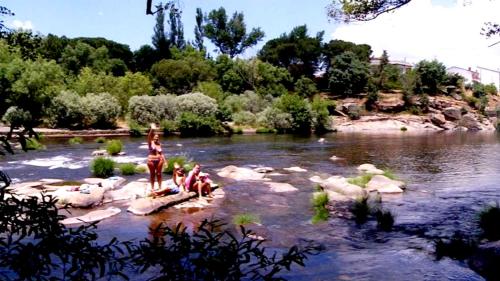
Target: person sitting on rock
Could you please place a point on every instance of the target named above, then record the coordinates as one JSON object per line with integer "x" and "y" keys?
{"x": 179, "y": 177}
{"x": 199, "y": 182}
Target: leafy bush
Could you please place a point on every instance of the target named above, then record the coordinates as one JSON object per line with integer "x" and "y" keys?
{"x": 300, "y": 111}
{"x": 491, "y": 89}
{"x": 182, "y": 160}
{"x": 275, "y": 119}
{"x": 431, "y": 74}
{"x": 305, "y": 87}
{"x": 114, "y": 147}
{"x": 360, "y": 210}
{"x": 248, "y": 101}
{"x": 211, "y": 89}
{"x": 194, "y": 125}
{"x": 212, "y": 254}
{"x": 127, "y": 169}
{"x": 489, "y": 221}
{"x": 320, "y": 115}
{"x": 102, "y": 167}
{"x": 385, "y": 219}
{"x": 197, "y": 103}
{"x": 168, "y": 126}
{"x": 33, "y": 144}
{"x": 101, "y": 110}
{"x": 348, "y": 75}
{"x": 244, "y": 118}
{"x": 67, "y": 111}
{"x": 75, "y": 140}
{"x": 16, "y": 117}
{"x": 100, "y": 140}
{"x": 144, "y": 110}
{"x": 319, "y": 201}
{"x": 135, "y": 130}
{"x": 265, "y": 131}
{"x": 243, "y": 219}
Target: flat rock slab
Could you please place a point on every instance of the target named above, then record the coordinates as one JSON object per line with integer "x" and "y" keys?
{"x": 281, "y": 187}
{"x": 149, "y": 205}
{"x": 316, "y": 179}
{"x": 340, "y": 185}
{"x": 240, "y": 174}
{"x": 263, "y": 169}
{"x": 51, "y": 181}
{"x": 92, "y": 216}
{"x": 336, "y": 197}
{"x": 80, "y": 200}
{"x": 295, "y": 169}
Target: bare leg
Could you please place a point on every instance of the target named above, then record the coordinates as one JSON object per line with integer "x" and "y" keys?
{"x": 159, "y": 171}
{"x": 208, "y": 189}
{"x": 152, "y": 171}
{"x": 200, "y": 189}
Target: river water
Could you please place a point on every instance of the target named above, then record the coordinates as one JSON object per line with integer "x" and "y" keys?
{"x": 450, "y": 177}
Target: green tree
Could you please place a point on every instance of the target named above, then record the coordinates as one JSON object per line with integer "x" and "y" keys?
{"x": 431, "y": 74}
{"x": 131, "y": 84}
{"x": 115, "y": 50}
{"x": 348, "y": 75}
{"x": 181, "y": 74}
{"x": 230, "y": 36}
{"x": 4, "y": 11}
{"x": 27, "y": 42}
{"x": 90, "y": 82}
{"x": 198, "y": 31}
{"x": 305, "y": 87}
{"x": 160, "y": 39}
{"x": 176, "y": 35}
{"x": 338, "y": 47}
{"x": 52, "y": 47}
{"x": 144, "y": 58}
{"x": 297, "y": 51}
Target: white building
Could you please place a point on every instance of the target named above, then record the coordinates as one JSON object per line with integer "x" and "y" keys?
{"x": 403, "y": 66}
{"x": 468, "y": 74}
{"x": 489, "y": 76}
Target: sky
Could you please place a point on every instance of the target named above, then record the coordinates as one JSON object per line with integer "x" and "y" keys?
{"x": 446, "y": 30}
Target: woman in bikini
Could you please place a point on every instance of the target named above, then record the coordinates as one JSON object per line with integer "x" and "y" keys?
{"x": 155, "y": 158}
{"x": 198, "y": 182}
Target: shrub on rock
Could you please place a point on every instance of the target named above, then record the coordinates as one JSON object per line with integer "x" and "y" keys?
{"x": 114, "y": 147}
{"x": 102, "y": 167}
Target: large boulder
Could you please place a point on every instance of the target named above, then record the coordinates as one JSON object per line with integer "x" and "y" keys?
{"x": 295, "y": 169}
{"x": 370, "y": 169}
{"x": 452, "y": 113}
{"x": 438, "y": 119}
{"x": 340, "y": 185}
{"x": 383, "y": 184}
{"x": 240, "y": 174}
{"x": 336, "y": 197}
{"x": 390, "y": 102}
{"x": 470, "y": 122}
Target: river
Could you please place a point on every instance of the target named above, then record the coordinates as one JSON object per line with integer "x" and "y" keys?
{"x": 450, "y": 177}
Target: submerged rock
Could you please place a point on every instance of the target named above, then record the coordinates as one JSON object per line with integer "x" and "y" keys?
{"x": 101, "y": 152}
{"x": 383, "y": 184}
{"x": 486, "y": 260}
{"x": 281, "y": 187}
{"x": 238, "y": 173}
{"x": 295, "y": 169}
{"x": 263, "y": 169}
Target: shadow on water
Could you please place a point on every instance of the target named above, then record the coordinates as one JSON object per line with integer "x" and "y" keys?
{"x": 450, "y": 177}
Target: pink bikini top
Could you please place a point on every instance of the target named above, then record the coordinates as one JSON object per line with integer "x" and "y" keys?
{"x": 153, "y": 148}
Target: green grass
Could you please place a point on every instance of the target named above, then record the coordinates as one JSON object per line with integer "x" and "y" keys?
{"x": 360, "y": 180}
{"x": 489, "y": 221}
{"x": 33, "y": 144}
{"x": 127, "y": 169}
{"x": 319, "y": 201}
{"x": 100, "y": 140}
{"x": 385, "y": 220}
{"x": 265, "y": 131}
{"x": 360, "y": 210}
{"x": 243, "y": 219}
{"x": 390, "y": 174}
{"x": 458, "y": 247}
{"x": 404, "y": 129}
{"x": 102, "y": 167}
{"x": 114, "y": 147}
{"x": 179, "y": 159}
{"x": 141, "y": 169}
{"x": 75, "y": 140}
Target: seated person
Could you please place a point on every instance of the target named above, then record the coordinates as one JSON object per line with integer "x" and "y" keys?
{"x": 179, "y": 178}
{"x": 198, "y": 182}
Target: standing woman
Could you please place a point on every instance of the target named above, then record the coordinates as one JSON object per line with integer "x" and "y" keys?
{"x": 155, "y": 158}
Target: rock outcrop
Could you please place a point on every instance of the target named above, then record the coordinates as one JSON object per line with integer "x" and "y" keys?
{"x": 240, "y": 174}
{"x": 340, "y": 185}
{"x": 384, "y": 185}
{"x": 370, "y": 169}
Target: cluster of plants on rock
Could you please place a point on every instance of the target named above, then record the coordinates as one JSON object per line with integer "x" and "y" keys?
{"x": 362, "y": 210}
{"x": 127, "y": 169}
{"x": 75, "y": 140}
{"x": 319, "y": 202}
{"x": 113, "y": 147}
{"x": 246, "y": 218}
